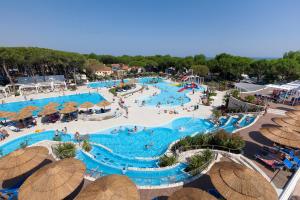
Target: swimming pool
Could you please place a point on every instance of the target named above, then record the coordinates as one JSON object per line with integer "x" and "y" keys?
{"x": 121, "y": 150}
{"x": 78, "y": 98}
{"x": 168, "y": 95}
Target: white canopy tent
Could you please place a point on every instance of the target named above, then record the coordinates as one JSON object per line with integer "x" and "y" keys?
{"x": 293, "y": 88}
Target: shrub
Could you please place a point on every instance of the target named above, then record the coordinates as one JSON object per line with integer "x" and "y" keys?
{"x": 199, "y": 160}
{"x": 216, "y": 113}
{"x": 250, "y": 99}
{"x": 165, "y": 161}
{"x": 65, "y": 150}
{"x": 17, "y": 93}
{"x": 86, "y": 145}
{"x": 113, "y": 91}
{"x": 235, "y": 94}
{"x": 219, "y": 139}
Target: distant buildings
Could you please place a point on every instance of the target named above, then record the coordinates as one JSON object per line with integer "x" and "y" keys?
{"x": 104, "y": 71}
{"x": 118, "y": 70}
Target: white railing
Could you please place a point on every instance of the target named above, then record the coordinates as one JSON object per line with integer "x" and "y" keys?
{"x": 290, "y": 187}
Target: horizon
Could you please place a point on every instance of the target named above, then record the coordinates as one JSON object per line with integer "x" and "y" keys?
{"x": 256, "y": 29}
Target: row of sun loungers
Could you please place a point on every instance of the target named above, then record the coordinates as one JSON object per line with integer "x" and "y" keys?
{"x": 279, "y": 158}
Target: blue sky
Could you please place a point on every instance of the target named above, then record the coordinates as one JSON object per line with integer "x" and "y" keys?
{"x": 256, "y": 28}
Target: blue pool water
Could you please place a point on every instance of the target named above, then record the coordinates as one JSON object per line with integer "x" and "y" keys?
{"x": 113, "y": 159}
{"x": 78, "y": 98}
{"x": 149, "y": 142}
{"x": 127, "y": 152}
{"x": 168, "y": 96}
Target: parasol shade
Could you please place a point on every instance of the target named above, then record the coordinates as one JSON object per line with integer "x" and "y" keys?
{"x": 68, "y": 109}
{"x": 48, "y": 111}
{"x": 293, "y": 124}
{"x": 21, "y": 115}
{"x": 104, "y": 103}
{"x": 70, "y": 103}
{"x": 293, "y": 114}
{"x": 54, "y": 181}
{"x": 237, "y": 182}
{"x": 52, "y": 104}
{"x": 191, "y": 194}
{"x": 109, "y": 188}
{"x": 21, "y": 161}
{"x": 282, "y": 135}
{"x": 87, "y": 105}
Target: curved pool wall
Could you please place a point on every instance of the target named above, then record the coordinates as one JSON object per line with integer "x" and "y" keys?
{"x": 124, "y": 152}
{"x": 40, "y": 103}
{"x": 140, "y": 177}
{"x": 168, "y": 95}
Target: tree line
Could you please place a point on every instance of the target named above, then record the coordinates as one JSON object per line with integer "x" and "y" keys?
{"x": 31, "y": 61}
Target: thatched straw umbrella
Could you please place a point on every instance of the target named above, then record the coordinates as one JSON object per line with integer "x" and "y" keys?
{"x": 70, "y": 103}
{"x": 5, "y": 114}
{"x": 109, "y": 188}
{"x": 87, "y": 105}
{"x": 282, "y": 136}
{"x": 297, "y": 107}
{"x": 48, "y": 111}
{"x": 191, "y": 194}
{"x": 293, "y": 114}
{"x": 68, "y": 109}
{"x": 54, "y": 181}
{"x": 21, "y": 161}
{"x": 29, "y": 108}
{"x": 293, "y": 124}
{"x": 21, "y": 115}
{"x": 237, "y": 182}
{"x": 51, "y": 105}
{"x": 103, "y": 103}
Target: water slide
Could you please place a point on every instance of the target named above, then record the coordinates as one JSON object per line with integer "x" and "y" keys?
{"x": 192, "y": 85}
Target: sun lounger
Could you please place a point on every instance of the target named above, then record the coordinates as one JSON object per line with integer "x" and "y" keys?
{"x": 289, "y": 165}
{"x": 13, "y": 128}
{"x": 269, "y": 161}
{"x": 296, "y": 160}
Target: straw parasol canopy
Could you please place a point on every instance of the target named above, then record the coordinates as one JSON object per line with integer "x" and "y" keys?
{"x": 54, "y": 181}
{"x": 293, "y": 114}
{"x": 21, "y": 161}
{"x": 70, "y": 103}
{"x": 29, "y": 108}
{"x": 293, "y": 124}
{"x": 191, "y": 194}
{"x": 87, "y": 105}
{"x": 297, "y": 107}
{"x": 51, "y": 105}
{"x": 68, "y": 109}
{"x": 103, "y": 103}
{"x": 237, "y": 182}
{"x": 21, "y": 115}
{"x": 110, "y": 188}
{"x": 282, "y": 135}
{"x": 5, "y": 114}
{"x": 48, "y": 111}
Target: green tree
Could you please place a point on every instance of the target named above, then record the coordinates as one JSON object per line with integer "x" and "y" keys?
{"x": 65, "y": 150}
{"x": 201, "y": 70}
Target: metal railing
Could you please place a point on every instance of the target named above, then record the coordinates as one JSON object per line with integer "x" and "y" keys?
{"x": 181, "y": 149}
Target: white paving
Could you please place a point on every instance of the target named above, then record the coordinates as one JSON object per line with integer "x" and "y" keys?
{"x": 142, "y": 116}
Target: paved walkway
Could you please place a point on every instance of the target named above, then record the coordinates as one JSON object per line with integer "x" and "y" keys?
{"x": 142, "y": 116}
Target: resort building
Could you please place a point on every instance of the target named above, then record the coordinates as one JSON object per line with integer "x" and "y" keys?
{"x": 104, "y": 71}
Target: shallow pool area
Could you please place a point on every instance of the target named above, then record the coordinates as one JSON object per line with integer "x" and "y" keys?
{"x": 169, "y": 95}
{"x": 133, "y": 150}
{"x": 40, "y": 103}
